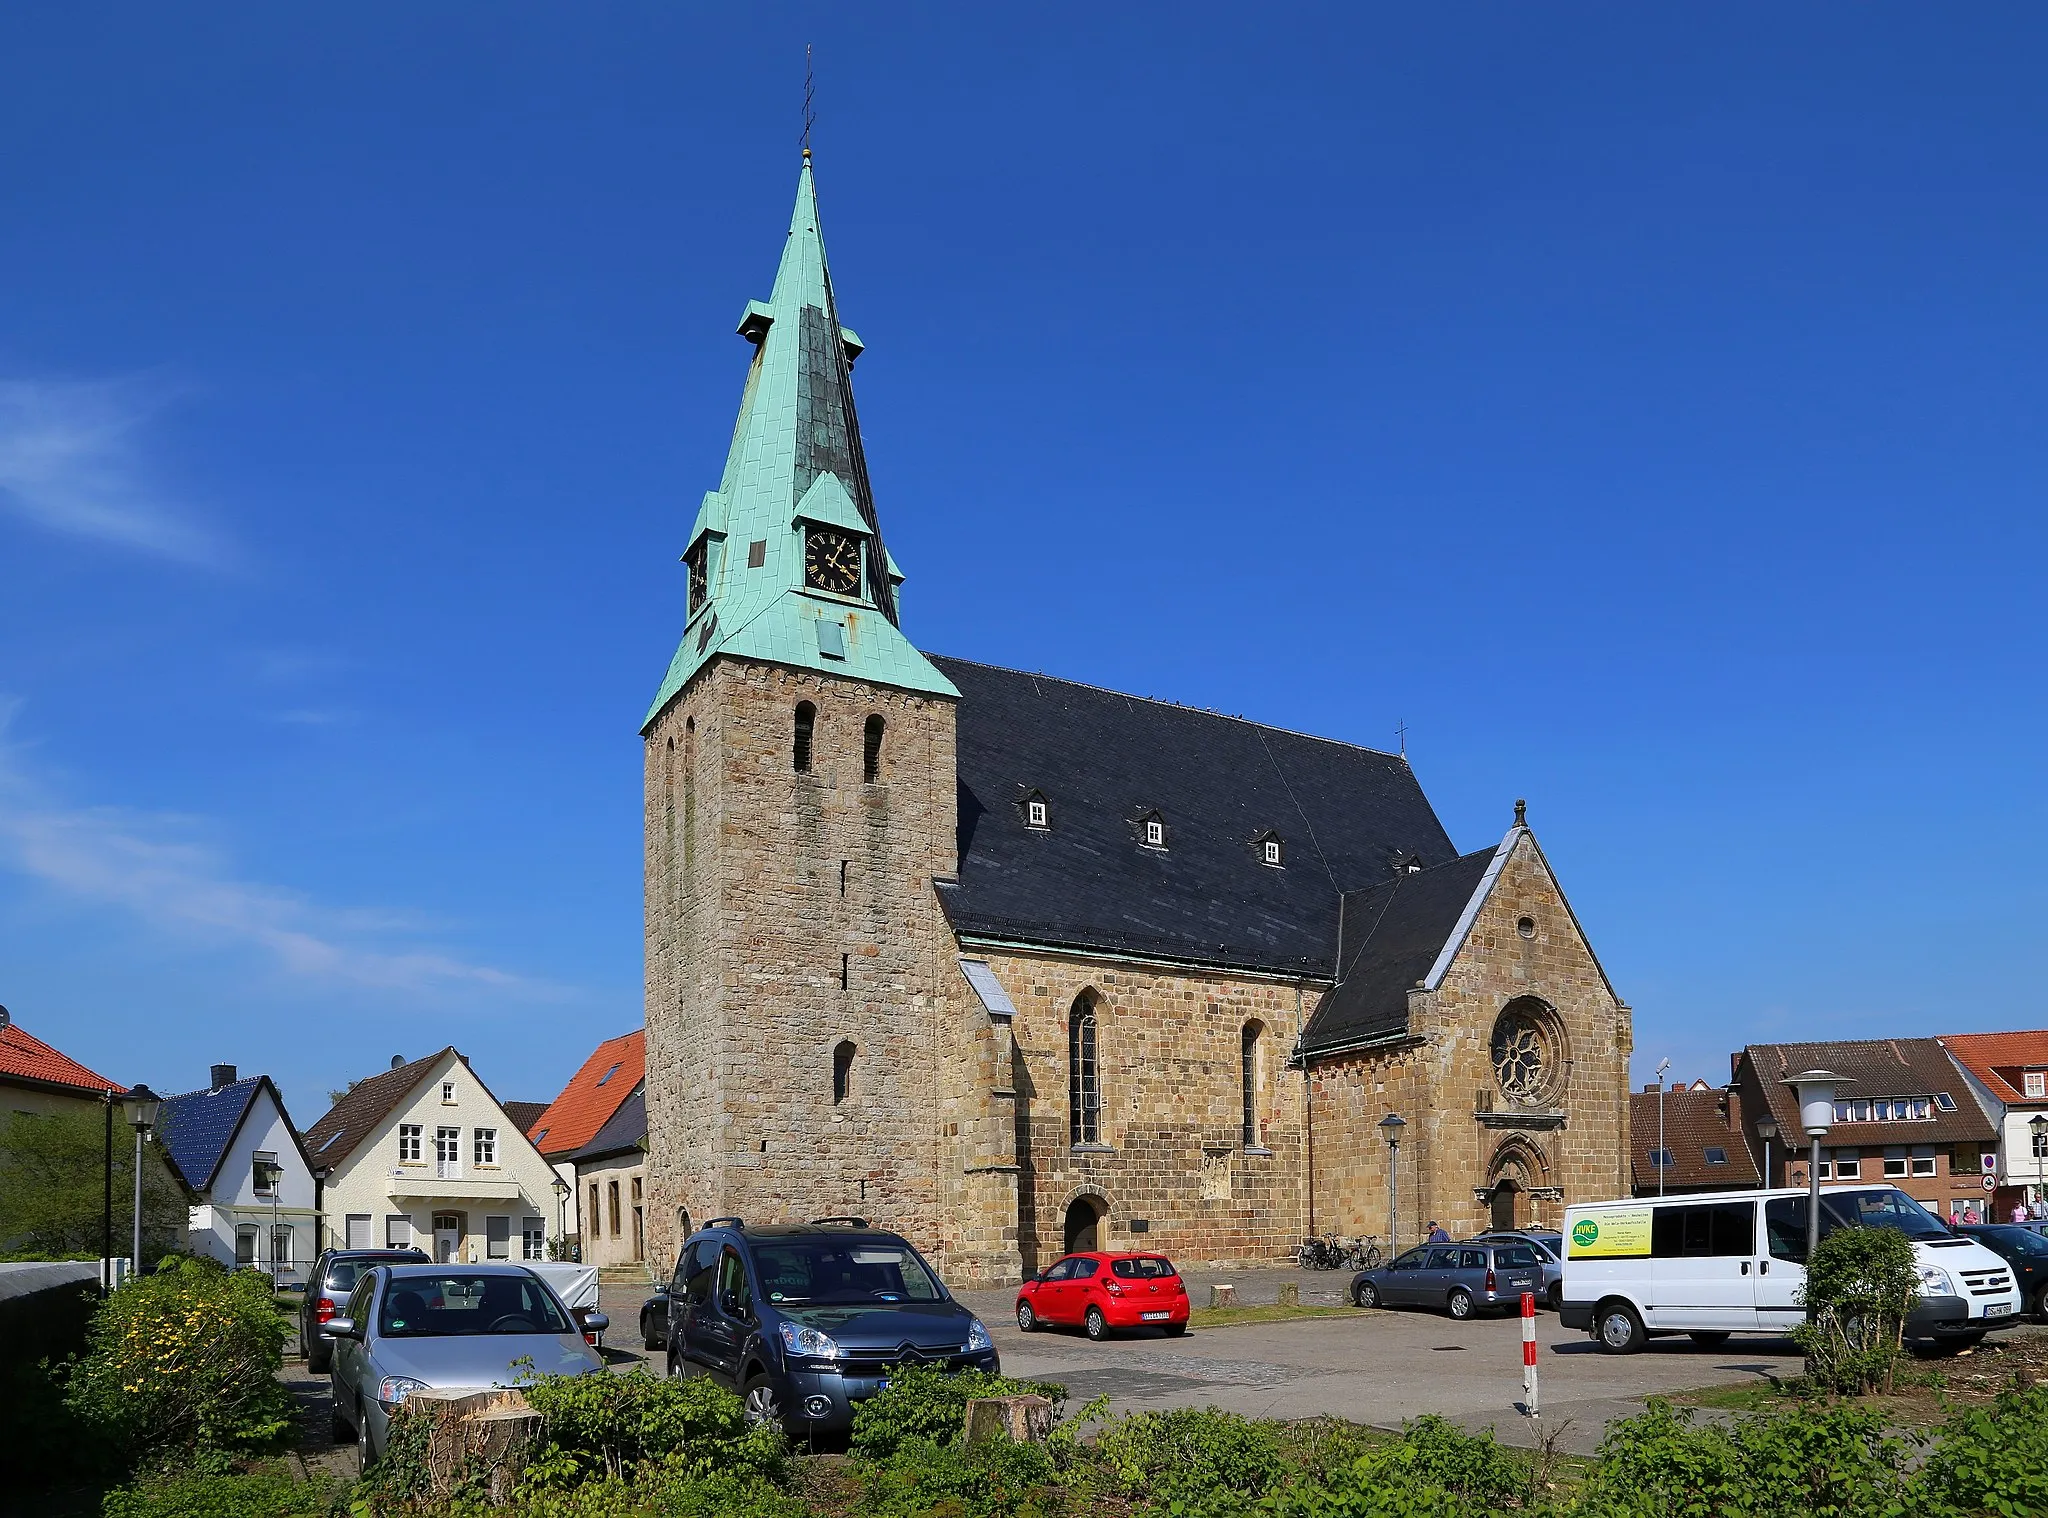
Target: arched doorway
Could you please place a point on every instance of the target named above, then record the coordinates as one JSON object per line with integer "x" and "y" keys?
{"x": 1506, "y": 1203}
{"x": 1084, "y": 1223}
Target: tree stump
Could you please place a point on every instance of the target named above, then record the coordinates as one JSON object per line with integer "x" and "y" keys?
{"x": 1223, "y": 1294}
{"x": 476, "y": 1433}
{"x": 1021, "y": 1420}
{"x": 1290, "y": 1294}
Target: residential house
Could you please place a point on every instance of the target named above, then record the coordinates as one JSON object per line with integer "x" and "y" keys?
{"x": 594, "y": 1094}
{"x": 35, "y": 1078}
{"x": 254, "y": 1199}
{"x": 2008, "y": 1074}
{"x": 611, "y": 1182}
{"x": 524, "y": 1114}
{"x": 1904, "y": 1114}
{"x": 1689, "y": 1138}
{"x": 423, "y": 1154}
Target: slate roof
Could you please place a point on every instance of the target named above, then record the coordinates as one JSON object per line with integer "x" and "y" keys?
{"x": 593, "y": 1094}
{"x": 24, "y": 1057}
{"x": 363, "y": 1106}
{"x": 1393, "y": 933}
{"x": 1694, "y": 1121}
{"x": 524, "y": 1114}
{"x": 625, "y": 1133}
{"x": 1102, "y": 761}
{"x": 2001, "y": 1060}
{"x": 1877, "y": 1067}
{"x": 198, "y": 1127}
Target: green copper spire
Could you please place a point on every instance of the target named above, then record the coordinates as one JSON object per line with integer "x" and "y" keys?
{"x": 796, "y": 475}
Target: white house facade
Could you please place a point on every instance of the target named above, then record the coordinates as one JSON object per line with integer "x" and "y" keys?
{"x": 253, "y": 1196}
{"x": 423, "y": 1155}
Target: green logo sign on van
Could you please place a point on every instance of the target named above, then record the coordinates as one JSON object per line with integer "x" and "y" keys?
{"x": 1615, "y": 1233}
{"x": 1584, "y": 1232}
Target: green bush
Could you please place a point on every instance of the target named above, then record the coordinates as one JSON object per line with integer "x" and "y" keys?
{"x": 185, "y": 1360}
{"x": 1989, "y": 1460}
{"x": 611, "y": 1425}
{"x": 924, "y": 1402}
{"x": 255, "y": 1494}
{"x": 994, "y": 1479}
{"x": 1190, "y": 1455}
{"x": 1435, "y": 1470}
{"x": 1860, "y": 1285}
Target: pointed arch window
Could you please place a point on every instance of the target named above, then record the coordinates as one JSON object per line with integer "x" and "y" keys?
{"x": 871, "y": 750}
{"x": 1248, "y": 1079}
{"x": 842, "y": 1071}
{"x": 806, "y": 725}
{"x": 1084, "y": 1081}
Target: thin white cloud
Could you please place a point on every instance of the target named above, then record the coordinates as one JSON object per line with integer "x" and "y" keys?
{"x": 70, "y": 461}
{"x": 157, "y": 867}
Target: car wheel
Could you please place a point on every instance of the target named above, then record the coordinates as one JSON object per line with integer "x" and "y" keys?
{"x": 319, "y": 1361}
{"x": 365, "y": 1455}
{"x": 649, "y": 1339}
{"x": 674, "y": 1364}
{"x": 2041, "y": 1306}
{"x": 338, "y": 1427}
{"x": 1556, "y": 1299}
{"x": 1459, "y": 1304}
{"x": 1027, "y": 1320}
{"x": 1708, "y": 1340}
{"x": 763, "y": 1407}
{"x": 1175, "y": 1330}
{"x": 1096, "y": 1324}
{"x": 1366, "y": 1294}
{"x": 1618, "y": 1328}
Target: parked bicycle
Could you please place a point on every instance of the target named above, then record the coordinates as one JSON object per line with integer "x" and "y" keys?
{"x": 1329, "y": 1252}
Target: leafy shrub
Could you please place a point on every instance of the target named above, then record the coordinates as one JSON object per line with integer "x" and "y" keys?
{"x": 1435, "y": 1470}
{"x": 255, "y": 1494}
{"x": 1860, "y": 1285}
{"x": 185, "y": 1360}
{"x": 1812, "y": 1462}
{"x": 611, "y": 1425}
{"x": 1989, "y": 1460}
{"x": 924, "y": 1477}
{"x": 1190, "y": 1455}
{"x": 924, "y": 1402}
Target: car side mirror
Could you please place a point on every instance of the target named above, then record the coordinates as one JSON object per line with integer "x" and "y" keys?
{"x": 340, "y": 1328}
{"x": 596, "y": 1322}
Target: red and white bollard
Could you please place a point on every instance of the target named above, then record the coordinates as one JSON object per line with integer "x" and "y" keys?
{"x": 1529, "y": 1353}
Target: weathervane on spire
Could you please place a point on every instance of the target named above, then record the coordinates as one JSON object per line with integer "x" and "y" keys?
{"x": 810, "y": 115}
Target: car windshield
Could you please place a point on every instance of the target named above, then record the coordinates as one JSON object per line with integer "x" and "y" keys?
{"x": 457, "y": 1302}
{"x": 819, "y": 1271}
{"x": 1146, "y": 1267}
{"x": 1515, "y": 1257}
{"x": 1885, "y": 1208}
{"x": 2019, "y": 1240}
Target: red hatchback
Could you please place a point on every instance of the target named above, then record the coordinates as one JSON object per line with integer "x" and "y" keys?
{"x": 1102, "y": 1292}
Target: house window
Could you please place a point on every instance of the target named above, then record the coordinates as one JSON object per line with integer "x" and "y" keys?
{"x": 1660, "y": 1159}
{"x": 355, "y": 1233}
{"x": 1894, "y": 1163}
{"x": 448, "y": 1151}
{"x": 498, "y": 1238}
{"x": 447, "y": 1093}
{"x": 595, "y": 1221}
{"x": 1848, "y": 1165}
{"x": 533, "y": 1240}
{"x": 1035, "y": 813}
{"x": 1084, "y": 1088}
{"x": 612, "y": 1210}
{"x": 263, "y": 1172}
{"x": 1825, "y": 1169}
{"x": 1248, "y": 1081}
{"x": 609, "y": 1073}
{"x": 409, "y": 1143}
{"x": 1270, "y": 851}
{"x": 486, "y": 1146}
{"x": 2037, "y": 1082}
{"x": 281, "y": 1246}
{"x": 806, "y": 723}
{"x": 1944, "y": 1101}
{"x": 2041, "y": 1144}
{"x": 842, "y": 1071}
{"x": 397, "y": 1231}
{"x": 1155, "y": 833}
{"x": 1716, "y": 1155}
{"x": 1923, "y": 1109}
{"x": 1923, "y": 1160}
{"x": 245, "y": 1246}
{"x": 871, "y": 751}
{"x": 538, "y": 1137}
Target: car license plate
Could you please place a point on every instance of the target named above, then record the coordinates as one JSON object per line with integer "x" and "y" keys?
{"x": 1155, "y": 1317}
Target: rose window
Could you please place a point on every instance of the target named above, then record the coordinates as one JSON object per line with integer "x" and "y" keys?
{"x": 1518, "y": 1056}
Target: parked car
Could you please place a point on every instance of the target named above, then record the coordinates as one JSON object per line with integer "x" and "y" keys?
{"x": 1479, "y": 1275}
{"x": 328, "y": 1284}
{"x": 2025, "y": 1249}
{"x": 413, "y": 1327}
{"x": 1549, "y": 1249}
{"x": 803, "y": 1320}
{"x": 1101, "y": 1293}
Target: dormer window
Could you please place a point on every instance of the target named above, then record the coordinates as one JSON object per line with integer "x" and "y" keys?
{"x": 1152, "y": 829}
{"x": 1270, "y": 850}
{"x": 1037, "y": 813}
{"x": 2037, "y": 1082}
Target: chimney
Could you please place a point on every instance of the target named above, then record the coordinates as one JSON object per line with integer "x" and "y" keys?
{"x": 1678, "y": 1086}
{"x": 1650, "y": 1089}
{"x": 397, "y": 1060}
{"x": 220, "y": 1075}
{"x": 1731, "y": 1103}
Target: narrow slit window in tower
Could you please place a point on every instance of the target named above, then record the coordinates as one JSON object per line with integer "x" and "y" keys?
{"x": 806, "y": 722}
{"x": 871, "y": 751}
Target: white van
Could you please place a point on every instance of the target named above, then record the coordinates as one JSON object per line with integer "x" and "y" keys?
{"x": 1715, "y": 1263}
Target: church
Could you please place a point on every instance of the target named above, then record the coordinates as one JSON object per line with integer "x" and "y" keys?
{"x": 1016, "y": 965}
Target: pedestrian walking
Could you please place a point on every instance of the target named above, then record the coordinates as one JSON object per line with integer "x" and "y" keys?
{"x": 1436, "y": 1233}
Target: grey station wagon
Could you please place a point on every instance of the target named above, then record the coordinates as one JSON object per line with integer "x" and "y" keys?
{"x": 1482, "y": 1275}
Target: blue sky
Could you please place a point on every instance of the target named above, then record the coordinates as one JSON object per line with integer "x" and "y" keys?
{"x": 1642, "y": 406}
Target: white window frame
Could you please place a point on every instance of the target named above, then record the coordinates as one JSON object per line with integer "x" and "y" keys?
{"x": 498, "y": 1238}
{"x": 409, "y": 1135}
{"x": 2036, "y": 1082}
{"x": 1035, "y": 814}
{"x": 262, "y": 1167}
{"x": 447, "y": 1093}
{"x": 533, "y": 1239}
{"x": 485, "y": 1143}
{"x": 1271, "y": 851}
{"x": 1155, "y": 833}
{"x": 354, "y": 1226}
{"x": 1895, "y": 1165}
{"x": 398, "y": 1230}
{"x": 1848, "y": 1168}
{"x": 448, "y": 1150}
{"x": 249, "y": 1235}
{"x": 1825, "y": 1169}
{"x": 1922, "y": 1160}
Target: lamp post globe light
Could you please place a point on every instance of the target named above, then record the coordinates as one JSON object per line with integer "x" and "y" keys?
{"x": 1390, "y": 1127}
{"x": 1766, "y": 1129}
{"x": 1663, "y": 1154}
{"x": 270, "y": 1173}
{"x": 2039, "y": 1129}
{"x": 1815, "y": 1090}
{"x": 143, "y": 1106}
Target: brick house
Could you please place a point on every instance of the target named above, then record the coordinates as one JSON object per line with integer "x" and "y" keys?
{"x": 1906, "y": 1115}
{"x": 1020, "y": 965}
{"x": 2008, "y": 1073}
{"x": 1702, "y": 1145}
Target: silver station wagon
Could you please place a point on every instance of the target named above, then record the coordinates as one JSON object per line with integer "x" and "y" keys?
{"x": 1481, "y": 1275}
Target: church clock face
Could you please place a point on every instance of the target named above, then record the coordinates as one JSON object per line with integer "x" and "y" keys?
{"x": 832, "y": 562}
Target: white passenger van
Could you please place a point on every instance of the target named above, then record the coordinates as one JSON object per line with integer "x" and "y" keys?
{"x": 1716, "y": 1263}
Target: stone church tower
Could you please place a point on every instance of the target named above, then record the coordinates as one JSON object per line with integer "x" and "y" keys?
{"x": 1016, "y": 965}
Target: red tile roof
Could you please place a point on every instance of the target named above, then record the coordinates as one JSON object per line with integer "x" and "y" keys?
{"x": 2000, "y": 1060}
{"x": 1694, "y": 1122}
{"x": 592, "y": 1096}
{"x": 23, "y": 1056}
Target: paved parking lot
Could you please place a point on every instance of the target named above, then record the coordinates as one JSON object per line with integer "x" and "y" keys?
{"x": 1378, "y": 1368}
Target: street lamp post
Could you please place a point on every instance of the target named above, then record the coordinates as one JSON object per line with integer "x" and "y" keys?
{"x": 1391, "y": 1126}
{"x": 1663, "y": 1154}
{"x": 2039, "y": 1129}
{"x": 1766, "y": 1129}
{"x": 107, "y": 1201}
{"x": 143, "y": 1105}
{"x": 561, "y": 1211}
{"x": 320, "y": 1175}
{"x": 1816, "y": 1092}
{"x": 272, "y": 1174}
